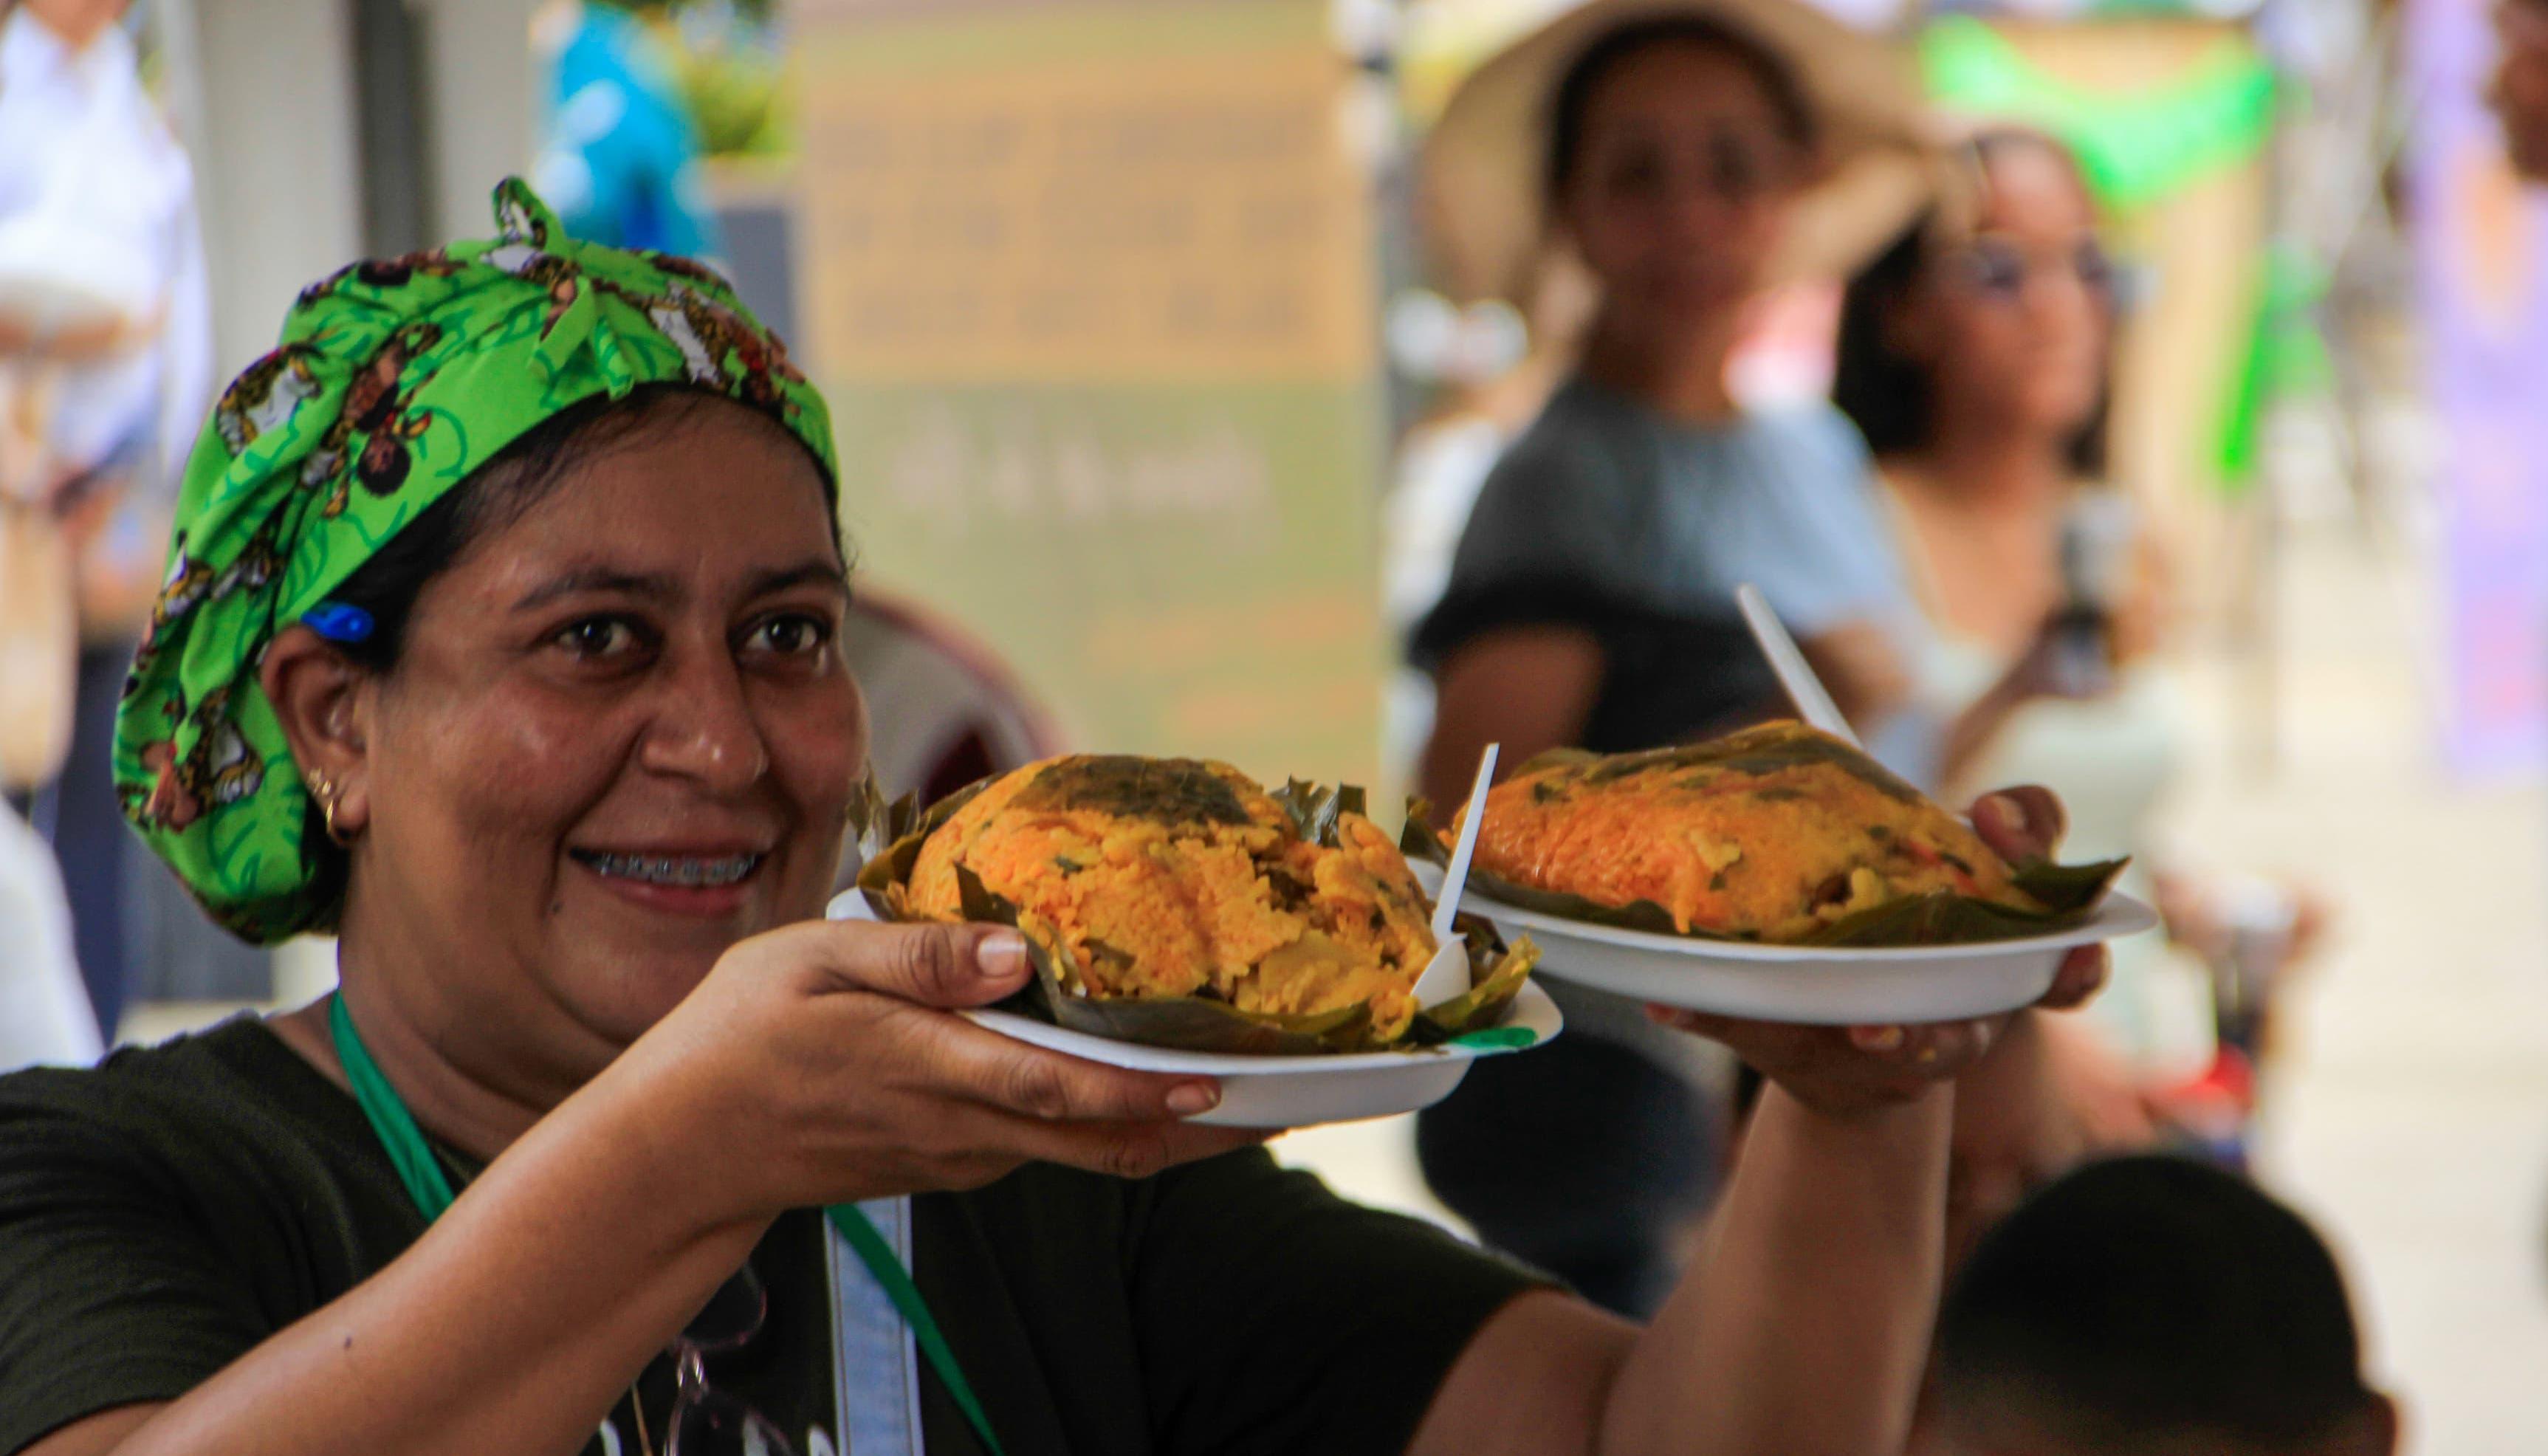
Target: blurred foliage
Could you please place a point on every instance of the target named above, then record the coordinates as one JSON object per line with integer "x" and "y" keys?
{"x": 758, "y": 12}
{"x": 2286, "y": 356}
{"x": 737, "y": 98}
{"x": 2102, "y": 9}
{"x": 2137, "y": 147}
{"x": 733, "y": 77}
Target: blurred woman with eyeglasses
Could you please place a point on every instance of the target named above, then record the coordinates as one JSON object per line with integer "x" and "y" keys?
{"x": 1976, "y": 357}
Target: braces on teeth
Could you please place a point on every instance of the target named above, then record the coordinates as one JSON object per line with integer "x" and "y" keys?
{"x": 664, "y": 870}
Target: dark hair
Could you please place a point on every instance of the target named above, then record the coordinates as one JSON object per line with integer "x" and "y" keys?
{"x": 1613, "y": 47}
{"x": 2149, "y": 1297}
{"x": 496, "y": 495}
{"x": 1889, "y": 395}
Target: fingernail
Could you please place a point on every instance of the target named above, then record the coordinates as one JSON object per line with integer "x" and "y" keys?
{"x": 1876, "y": 1038}
{"x": 1001, "y": 955}
{"x": 1194, "y": 1097}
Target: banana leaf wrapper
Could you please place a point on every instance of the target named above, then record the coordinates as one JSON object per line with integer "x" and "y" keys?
{"x": 891, "y": 834}
{"x": 2069, "y": 892}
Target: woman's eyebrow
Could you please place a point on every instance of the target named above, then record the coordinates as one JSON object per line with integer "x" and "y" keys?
{"x": 819, "y": 572}
{"x": 654, "y": 587}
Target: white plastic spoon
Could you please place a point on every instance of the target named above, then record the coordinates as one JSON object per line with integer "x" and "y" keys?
{"x": 1795, "y": 675}
{"x": 1446, "y": 975}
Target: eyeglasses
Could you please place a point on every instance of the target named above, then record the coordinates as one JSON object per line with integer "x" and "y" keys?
{"x": 1999, "y": 270}
{"x": 707, "y": 1422}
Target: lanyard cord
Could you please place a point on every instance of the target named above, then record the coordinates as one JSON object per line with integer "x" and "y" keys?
{"x": 396, "y": 1126}
{"x": 421, "y": 1172}
{"x": 872, "y": 1251}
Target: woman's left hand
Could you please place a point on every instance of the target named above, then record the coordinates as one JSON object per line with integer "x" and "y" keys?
{"x": 1849, "y": 1071}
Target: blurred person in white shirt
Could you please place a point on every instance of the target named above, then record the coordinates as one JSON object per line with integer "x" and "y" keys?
{"x": 44, "y": 1018}
{"x": 95, "y": 191}
{"x": 105, "y": 322}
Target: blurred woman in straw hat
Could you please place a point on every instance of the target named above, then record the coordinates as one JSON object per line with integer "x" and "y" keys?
{"x": 1686, "y": 156}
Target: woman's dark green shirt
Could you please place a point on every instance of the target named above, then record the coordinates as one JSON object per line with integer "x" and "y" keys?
{"x": 162, "y": 1215}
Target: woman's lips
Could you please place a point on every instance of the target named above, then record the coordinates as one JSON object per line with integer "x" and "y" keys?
{"x": 702, "y": 885}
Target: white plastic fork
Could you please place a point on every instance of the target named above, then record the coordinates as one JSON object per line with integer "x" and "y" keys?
{"x": 1795, "y": 675}
{"x": 1446, "y": 975}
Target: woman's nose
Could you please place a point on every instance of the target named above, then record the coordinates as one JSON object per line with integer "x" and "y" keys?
{"x": 2057, "y": 294}
{"x": 704, "y": 729}
{"x": 1701, "y": 210}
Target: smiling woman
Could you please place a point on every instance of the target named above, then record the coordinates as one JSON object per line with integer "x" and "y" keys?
{"x": 628, "y": 616}
{"x": 500, "y": 636}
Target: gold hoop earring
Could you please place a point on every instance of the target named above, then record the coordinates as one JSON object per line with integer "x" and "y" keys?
{"x": 324, "y": 790}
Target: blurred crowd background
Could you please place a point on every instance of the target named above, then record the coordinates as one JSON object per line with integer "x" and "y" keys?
{"x": 1169, "y": 361}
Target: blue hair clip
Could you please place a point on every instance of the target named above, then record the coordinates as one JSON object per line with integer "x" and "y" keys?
{"x": 337, "y": 623}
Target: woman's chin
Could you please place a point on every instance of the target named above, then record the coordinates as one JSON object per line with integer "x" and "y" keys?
{"x": 635, "y": 938}
{"x": 624, "y": 996}
{"x": 1685, "y": 308}
{"x": 658, "y": 954}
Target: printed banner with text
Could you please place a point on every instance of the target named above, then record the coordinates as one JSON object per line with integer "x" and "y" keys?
{"x": 1091, "y": 286}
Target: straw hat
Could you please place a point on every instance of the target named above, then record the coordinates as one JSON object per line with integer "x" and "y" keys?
{"x": 1484, "y": 165}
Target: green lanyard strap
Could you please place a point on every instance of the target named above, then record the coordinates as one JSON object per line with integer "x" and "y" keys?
{"x": 431, "y": 1187}
{"x": 396, "y": 1126}
{"x": 888, "y": 1271}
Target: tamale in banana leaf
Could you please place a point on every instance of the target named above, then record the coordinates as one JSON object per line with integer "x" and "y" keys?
{"x": 1777, "y": 835}
{"x": 893, "y": 836}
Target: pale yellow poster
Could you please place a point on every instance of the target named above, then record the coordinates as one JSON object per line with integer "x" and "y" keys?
{"x": 1091, "y": 287}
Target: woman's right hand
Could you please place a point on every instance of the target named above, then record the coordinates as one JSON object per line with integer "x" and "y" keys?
{"x": 823, "y": 1063}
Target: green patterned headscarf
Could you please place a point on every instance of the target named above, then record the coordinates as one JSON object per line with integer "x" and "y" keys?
{"x": 393, "y": 382}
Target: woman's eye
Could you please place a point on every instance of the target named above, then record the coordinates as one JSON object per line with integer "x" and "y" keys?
{"x": 1994, "y": 269}
{"x": 792, "y": 635}
{"x": 2096, "y": 268}
{"x": 598, "y": 637}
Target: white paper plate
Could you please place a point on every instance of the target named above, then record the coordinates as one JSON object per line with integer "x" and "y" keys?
{"x": 1819, "y": 985}
{"x": 1279, "y": 1091}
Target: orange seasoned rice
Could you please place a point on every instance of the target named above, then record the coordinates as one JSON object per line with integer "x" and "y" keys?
{"x": 1184, "y": 878}
{"x": 1768, "y": 834}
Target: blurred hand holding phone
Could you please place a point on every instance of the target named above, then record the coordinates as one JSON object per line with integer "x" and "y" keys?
{"x": 2098, "y": 528}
